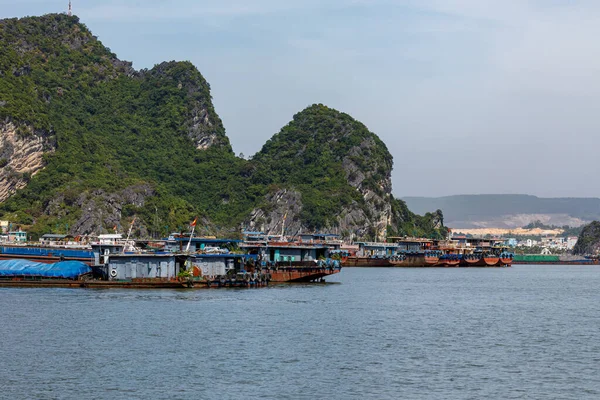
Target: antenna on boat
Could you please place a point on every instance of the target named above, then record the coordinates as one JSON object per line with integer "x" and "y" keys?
{"x": 70, "y": 13}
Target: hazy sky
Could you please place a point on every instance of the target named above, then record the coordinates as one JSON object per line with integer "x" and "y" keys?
{"x": 470, "y": 96}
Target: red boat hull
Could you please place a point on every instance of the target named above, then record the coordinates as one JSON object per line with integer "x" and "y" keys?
{"x": 506, "y": 261}
{"x": 450, "y": 263}
{"x": 491, "y": 261}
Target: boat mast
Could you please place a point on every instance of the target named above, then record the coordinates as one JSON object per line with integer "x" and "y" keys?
{"x": 193, "y": 224}
{"x": 283, "y": 225}
{"x": 129, "y": 234}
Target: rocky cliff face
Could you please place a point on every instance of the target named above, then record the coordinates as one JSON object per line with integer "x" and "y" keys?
{"x": 99, "y": 209}
{"x": 323, "y": 147}
{"x": 202, "y": 124}
{"x": 588, "y": 242}
{"x": 22, "y": 152}
{"x": 281, "y": 213}
{"x": 375, "y": 186}
{"x": 110, "y": 128}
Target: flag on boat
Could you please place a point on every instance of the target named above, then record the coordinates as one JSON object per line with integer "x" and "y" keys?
{"x": 193, "y": 223}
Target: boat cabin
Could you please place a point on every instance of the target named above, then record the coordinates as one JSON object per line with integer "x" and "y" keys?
{"x": 376, "y": 249}
{"x": 216, "y": 265}
{"x": 107, "y": 245}
{"x": 286, "y": 251}
{"x": 200, "y": 244}
{"x": 396, "y": 246}
{"x": 412, "y": 245}
{"x": 51, "y": 239}
{"x": 142, "y": 266}
{"x": 476, "y": 242}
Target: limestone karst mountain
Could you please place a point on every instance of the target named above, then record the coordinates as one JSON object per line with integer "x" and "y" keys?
{"x": 87, "y": 143}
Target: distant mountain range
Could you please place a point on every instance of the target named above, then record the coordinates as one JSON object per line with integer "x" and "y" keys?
{"x": 508, "y": 210}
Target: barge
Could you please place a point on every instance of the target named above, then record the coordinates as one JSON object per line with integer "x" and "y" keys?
{"x": 554, "y": 259}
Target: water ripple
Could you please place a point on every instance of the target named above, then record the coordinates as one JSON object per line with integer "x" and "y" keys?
{"x": 528, "y": 332}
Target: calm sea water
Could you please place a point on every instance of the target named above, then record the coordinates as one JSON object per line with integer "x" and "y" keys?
{"x": 522, "y": 332}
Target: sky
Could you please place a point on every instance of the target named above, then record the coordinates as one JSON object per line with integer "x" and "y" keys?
{"x": 470, "y": 96}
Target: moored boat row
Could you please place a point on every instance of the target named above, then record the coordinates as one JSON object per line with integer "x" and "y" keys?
{"x": 187, "y": 261}
{"x": 114, "y": 262}
{"x": 416, "y": 252}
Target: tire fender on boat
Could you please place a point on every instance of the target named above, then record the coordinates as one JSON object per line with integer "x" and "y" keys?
{"x": 113, "y": 273}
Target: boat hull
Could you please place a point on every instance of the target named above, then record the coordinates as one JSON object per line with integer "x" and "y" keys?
{"x": 449, "y": 263}
{"x": 505, "y": 261}
{"x": 300, "y": 274}
{"x": 353, "y": 261}
{"x": 470, "y": 262}
{"x": 94, "y": 284}
{"x": 491, "y": 261}
{"x": 416, "y": 261}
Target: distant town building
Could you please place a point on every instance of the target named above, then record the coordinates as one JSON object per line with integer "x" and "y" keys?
{"x": 17, "y": 236}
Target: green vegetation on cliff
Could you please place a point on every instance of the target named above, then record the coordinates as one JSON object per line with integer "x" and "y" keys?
{"x": 313, "y": 154}
{"x": 338, "y": 165}
{"x": 588, "y": 242}
{"x": 149, "y": 143}
{"x": 113, "y": 128}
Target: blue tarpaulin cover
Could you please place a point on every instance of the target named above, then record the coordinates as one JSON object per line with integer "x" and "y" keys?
{"x": 63, "y": 269}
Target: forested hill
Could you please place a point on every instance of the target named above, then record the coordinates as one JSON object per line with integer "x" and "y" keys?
{"x": 588, "y": 242}
{"x": 326, "y": 169}
{"x": 87, "y": 143}
{"x": 494, "y": 210}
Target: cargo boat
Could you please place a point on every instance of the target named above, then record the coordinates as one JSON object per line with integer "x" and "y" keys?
{"x": 306, "y": 258}
{"x": 371, "y": 261}
{"x": 554, "y": 259}
{"x": 72, "y": 274}
{"x": 428, "y": 258}
{"x": 133, "y": 270}
{"x": 400, "y": 252}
